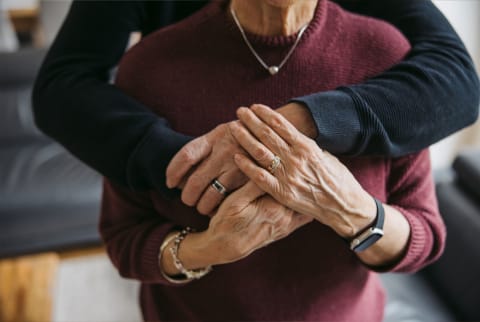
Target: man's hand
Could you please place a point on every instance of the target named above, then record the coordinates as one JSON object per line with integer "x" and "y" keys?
{"x": 201, "y": 161}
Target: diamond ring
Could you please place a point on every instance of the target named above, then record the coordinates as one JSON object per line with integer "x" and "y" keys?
{"x": 274, "y": 164}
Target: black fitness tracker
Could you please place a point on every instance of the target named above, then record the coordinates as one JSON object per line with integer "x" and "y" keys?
{"x": 373, "y": 233}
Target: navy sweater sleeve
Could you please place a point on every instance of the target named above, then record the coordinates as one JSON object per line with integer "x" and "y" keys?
{"x": 124, "y": 141}
{"x": 75, "y": 104}
{"x": 428, "y": 96}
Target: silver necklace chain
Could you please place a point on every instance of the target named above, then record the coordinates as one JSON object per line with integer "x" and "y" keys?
{"x": 274, "y": 68}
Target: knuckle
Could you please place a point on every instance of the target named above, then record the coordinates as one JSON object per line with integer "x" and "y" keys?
{"x": 265, "y": 134}
{"x": 188, "y": 155}
{"x": 276, "y": 121}
{"x": 260, "y": 177}
{"x": 222, "y": 127}
{"x": 260, "y": 153}
{"x": 295, "y": 137}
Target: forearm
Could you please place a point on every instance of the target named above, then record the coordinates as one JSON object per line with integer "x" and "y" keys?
{"x": 433, "y": 92}
{"x": 359, "y": 216}
{"x": 132, "y": 231}
{"x": 73, "y": 102}
{"x": 299, "y": 115}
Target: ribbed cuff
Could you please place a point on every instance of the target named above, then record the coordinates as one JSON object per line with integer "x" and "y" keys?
{"x": 336, "y": 119}
{"x": 418, "y": 247}
{"x": 146, "y": 168}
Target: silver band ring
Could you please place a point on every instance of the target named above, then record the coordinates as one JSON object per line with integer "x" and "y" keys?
{"x": 220, "y": 188}
{"x": 274, "y": 164}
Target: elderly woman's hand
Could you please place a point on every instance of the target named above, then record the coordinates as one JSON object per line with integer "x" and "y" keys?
{"x": 307, "y": 179}
{"x": 246, "y": 221}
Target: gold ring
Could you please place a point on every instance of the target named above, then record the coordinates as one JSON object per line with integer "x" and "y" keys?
{"x": 274, "y": 164}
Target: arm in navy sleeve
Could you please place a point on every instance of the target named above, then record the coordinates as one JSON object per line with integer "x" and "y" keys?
{"x": 75, "y": 104}
{"x": 123, "y": 140}
{"x": 428, "y": 96}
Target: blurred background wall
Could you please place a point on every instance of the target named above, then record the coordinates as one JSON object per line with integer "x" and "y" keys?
{"x": 464, "y": 15}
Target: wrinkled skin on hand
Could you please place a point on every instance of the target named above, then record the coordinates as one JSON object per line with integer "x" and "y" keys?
{"x": 308, "y": 180}
{"x": 246, "y": 221}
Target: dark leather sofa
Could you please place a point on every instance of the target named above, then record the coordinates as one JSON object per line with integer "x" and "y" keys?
{"x": 456, "y": 276}
{"x": 49, "y": 201}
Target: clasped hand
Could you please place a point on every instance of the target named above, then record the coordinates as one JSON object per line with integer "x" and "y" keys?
{"x": 201, "y": 161}
{"x": 308, "y": 181}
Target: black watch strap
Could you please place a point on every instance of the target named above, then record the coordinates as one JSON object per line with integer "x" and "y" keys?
{"x": 373, "y": 233}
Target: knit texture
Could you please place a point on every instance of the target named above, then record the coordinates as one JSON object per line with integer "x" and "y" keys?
{"x": 195, "y": 74}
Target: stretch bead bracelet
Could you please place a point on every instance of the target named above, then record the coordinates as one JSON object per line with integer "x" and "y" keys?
{"x": 177, "y": 279}
{"x": 190, "y": 274}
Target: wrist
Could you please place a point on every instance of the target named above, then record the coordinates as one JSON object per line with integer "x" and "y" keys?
{"x": 194, "y": 252}
{"x": 190, "y": 252}
{"x": 166, "y": 259}
{"x": 300, "y": 117}
{"x": 173, "y": 267}
{"x": 359, "y": 219}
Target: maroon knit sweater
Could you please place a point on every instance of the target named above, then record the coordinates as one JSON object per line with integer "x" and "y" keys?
{"x": 195, "y": 74}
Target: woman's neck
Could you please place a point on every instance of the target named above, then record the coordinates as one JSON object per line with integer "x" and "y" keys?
{"x": 274, "y": 17}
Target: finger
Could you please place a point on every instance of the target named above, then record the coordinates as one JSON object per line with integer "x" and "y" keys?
{"x": 262, "y": 131}
{"x": 198, "y": 181}
{"x": 211, "y": 198}
{"x": 261, "y": 177}
{"x": 247, "y": 194}
{"x": 249, "y": 143}
{"x": 191, "y": 154}
{"x": 279, "y": 124}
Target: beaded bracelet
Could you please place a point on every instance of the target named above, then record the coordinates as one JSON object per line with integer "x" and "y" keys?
{"x": 190, "y": 274}
{"x": 177, "y": 279}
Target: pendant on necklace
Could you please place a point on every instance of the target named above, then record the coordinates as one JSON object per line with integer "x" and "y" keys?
{"x": 273, "y": 70}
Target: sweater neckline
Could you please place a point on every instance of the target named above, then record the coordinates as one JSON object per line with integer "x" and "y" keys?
{"x": 315, "y": 25}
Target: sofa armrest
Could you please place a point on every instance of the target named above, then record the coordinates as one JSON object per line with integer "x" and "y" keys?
{"x": 467, "y": 169}
{"x": 455, "y": 275}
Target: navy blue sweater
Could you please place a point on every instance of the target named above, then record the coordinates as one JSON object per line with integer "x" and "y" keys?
{"x": 431, "y": 94}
